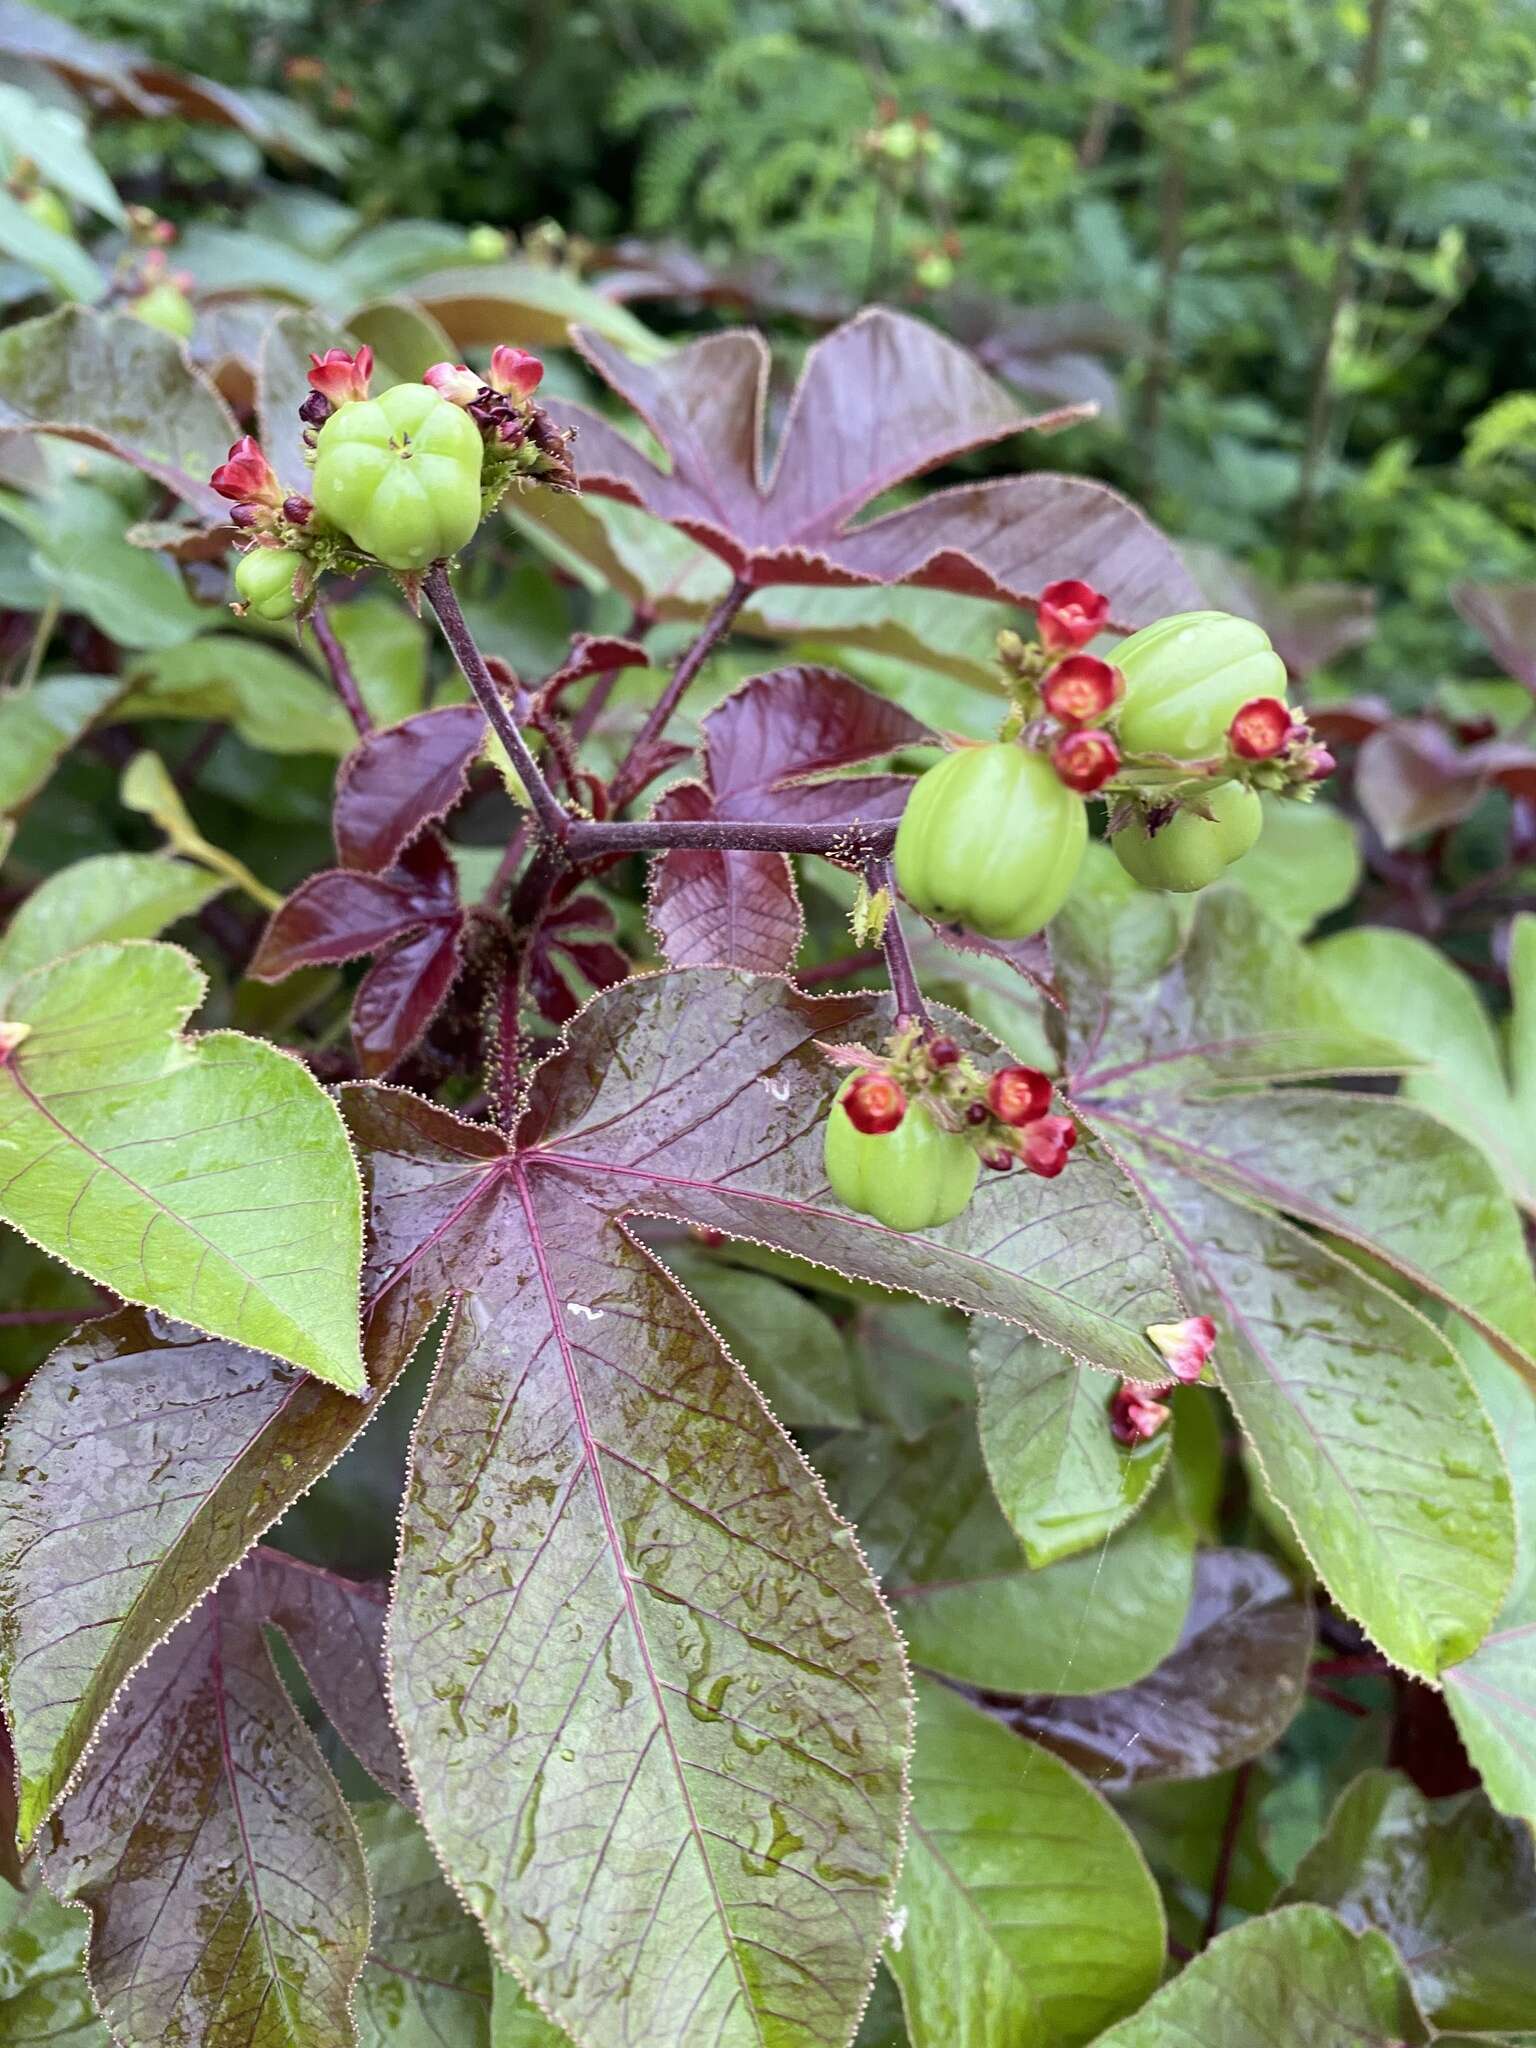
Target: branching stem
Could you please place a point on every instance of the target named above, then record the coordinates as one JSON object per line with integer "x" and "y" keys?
{"x": 633, "y": 774}
{"x": 910, "y": 1007}
{"x": 341, "y": 671}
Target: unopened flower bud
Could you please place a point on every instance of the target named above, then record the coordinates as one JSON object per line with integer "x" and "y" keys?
{"x": 297, "y": 511}
{"x": 316, "y": 409}
{"x": 943, "y": 1052}
{"x": 454, "y": 381}
{"x": 1085, "y": 760}
{"x": 1136, "y": 1413}
{"x": 977, "y": 1113}
{"x": 514, "y": 372}
{"x": 1046, "y": 1143}
{"x": 998, "y": 1158}
{"x": 1069, "y": 613}
{"x": 1260, "y": 729}
{"x": 246, "y": 476}
{"x": 1018, "y": 1095}
{"x": 874, "y": 1103}
{"x": 1186, "y": 1346}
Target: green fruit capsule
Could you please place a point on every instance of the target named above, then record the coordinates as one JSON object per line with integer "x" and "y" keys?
{"x": 400, "y": 474}
{"x": 264, "y": 578}
{"x": 167, "y": 307}
{"x": 912, "y": 1178}
{"x": 48, "y": 210}
{"x": 1187, "y": 676}
{"x": 993, "y": 839}
{"x": 1192, "y": 851}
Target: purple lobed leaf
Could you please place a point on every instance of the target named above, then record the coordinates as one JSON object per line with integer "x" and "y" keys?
{"x": 215, "y": 1855}
{"x": 396, "y": 782}
{"x": 710, "y": 908}
{"x": 882, "y": 398}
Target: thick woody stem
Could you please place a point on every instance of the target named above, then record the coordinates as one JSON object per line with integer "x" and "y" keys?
{"x": 341, "y": 672}
{"x": 910, "y": 1007}
{"x": 632, "y": 774}
{"x": 853, "y": 843}
{"x": 553, "y": 820}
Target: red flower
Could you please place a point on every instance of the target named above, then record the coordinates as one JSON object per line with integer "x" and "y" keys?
{"x": 1045, "y": 1144}
{"x": 453, "y": 381}
{"x": 874, "y": 1104}
{"x": 339, "y": 376}
{"x": 246, "y": 477}
{"x": 1019, "y": 1095}
{"x": 1186, "y": 1346}
{"x": 514, "y": 372}
{"x": 1085, "y": 760}
{"x": 1260, "y": 729}
{"x": 1070, "y": 613}
{"x": 1136, "y": 1413}
{"x": 1082, "y": 688}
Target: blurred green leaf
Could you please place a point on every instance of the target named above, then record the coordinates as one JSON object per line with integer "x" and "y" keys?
{"x": 109, "y": 896}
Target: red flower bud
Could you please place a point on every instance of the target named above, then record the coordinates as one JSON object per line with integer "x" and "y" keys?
{"x": 874, "y": 1103}
{"x": 1070, "y": 613}
{"x": 1085, "y": 760}
{"x": 297, "y": 511}
{"x": 454, "y": 381}
{"x": 339, "y": 376}
{"x": 1018, "y": 1095}
{"x": 1082, "y": 688}
{"x": 514, "y": 372}
{"x": 1046, "y": 1143}
{"x": 998, "y": 1158}
{"x": 977, "y": 1113}
{"x": 1260, "y": 729}
{"x": 943, "y": 1051}
{"x": 1186, "y": 1346}
{"x": 1136, "y": 1413}
{"x": 1320, "y": 763}
{"x": 247, "y": 477}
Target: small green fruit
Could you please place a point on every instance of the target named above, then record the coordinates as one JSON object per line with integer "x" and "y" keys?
{"x": 912, "y": 1178}
{"x": 993, "y": 839}
{"x": 1186, "y": 677}
{"x": 485, "y": 244}
{"x": 400, "y": 474}
{"x": 264, "y": 578}
{"x": 167, "y": 307}
{"x": 1191, "y": 851}
{"x": 48, "y": 210}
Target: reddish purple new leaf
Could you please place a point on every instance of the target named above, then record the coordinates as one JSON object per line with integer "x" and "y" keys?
{"x": 881, "y": 399}
{"x": 1411, "y": 777}
{"x": 763, "y": 748}
{"x": 410, "y": 914}
{"x": 592, "y": 654}
{"x": 224, "y": 1878}
{"x": 398, "y": 781}
{"x": 1505, "y": 615}
{"x": 572, "y": 955}
{"x": 711, "y": 909}
{"x": 335, "y": 1627}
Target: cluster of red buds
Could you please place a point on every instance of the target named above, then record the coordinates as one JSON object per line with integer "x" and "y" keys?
{"x": 1005, "y": 1114}
{"x": 260, "y": 505}
{"x": 520, "y": 437}
{"x": 1069, "y": 694}
{"x": 1137, "y": 1411}
{"x": 1277, "y": 744}
{"x": 336, "y": 378}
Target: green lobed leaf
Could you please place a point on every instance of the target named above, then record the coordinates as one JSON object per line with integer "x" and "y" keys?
{"x": 207, "y": 1177}
{"x": 1449, "y": 1881}
{"x": 1306, "y": 864}
{"x": 1026, "y": 1913}
{"x": 484, "y": 303}
{"x": 1297, "y": 1978}
{"x": 105, "y": 896}
{"x": 39, "y": 726}
{"x": 1058, "y": 1473}
{"x": 1228, "y": 1691}
{"x": 388, "y": 652}
{"x": 53, "y": 139}
{"x": 273, "y": 701}
{"x": 968, "y": 1604}
{"x": 516, "y": 2021}
{"x": 246, "y": 1921}
{"x": 59, "y": 258}
{"x": 1172, "y": 1051}
{"x": 43, "y": 1992}
{"x": 117, "y": 384}
{"x": 136, "y": 597}
{"x": 1438, "y": 1016}
{"x": 426, "y": 1979}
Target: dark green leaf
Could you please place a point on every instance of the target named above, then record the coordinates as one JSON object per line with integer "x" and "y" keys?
{"x": 426, "y": 1980}
{"x": 39, "y": 726}
{"x": 790, "y": 1350}
{"x": 106, "y": 896}
{"x": 43, "y": 1994}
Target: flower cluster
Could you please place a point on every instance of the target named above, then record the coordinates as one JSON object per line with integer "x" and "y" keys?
{"x": 521, "y": 440}
{"x": 1005, "y": 1115}
{"x": 1137, "y": 1411}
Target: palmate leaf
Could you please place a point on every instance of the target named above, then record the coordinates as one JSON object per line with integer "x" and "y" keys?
{"x": 208, "y": 1177}
{"x": 426, "y": 1979}
{"x": 1451, "y": 1883}
{"x": 217, "y": 1859}
{"x": 1025, "y": 1913}
{"x": 105, "y": 896}
{"x": 44, "y": 2002}
{"x": 881, "y": 399}
{"x": 606, "y": 1533}
{"x": 39, "y": 726}
{"x": 1297, "y": 1978}
{"x": 1173, "y": 1045}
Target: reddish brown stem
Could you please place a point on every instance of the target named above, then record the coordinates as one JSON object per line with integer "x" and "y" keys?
{"x": 632, "y": 774}
{"x": 27, "y": 1318}
{"x": 852, "y": 842}
{"x": 1227, "y": 1850}
{"x": 910, "y": 1006}
{"x": 341, "y": 671}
